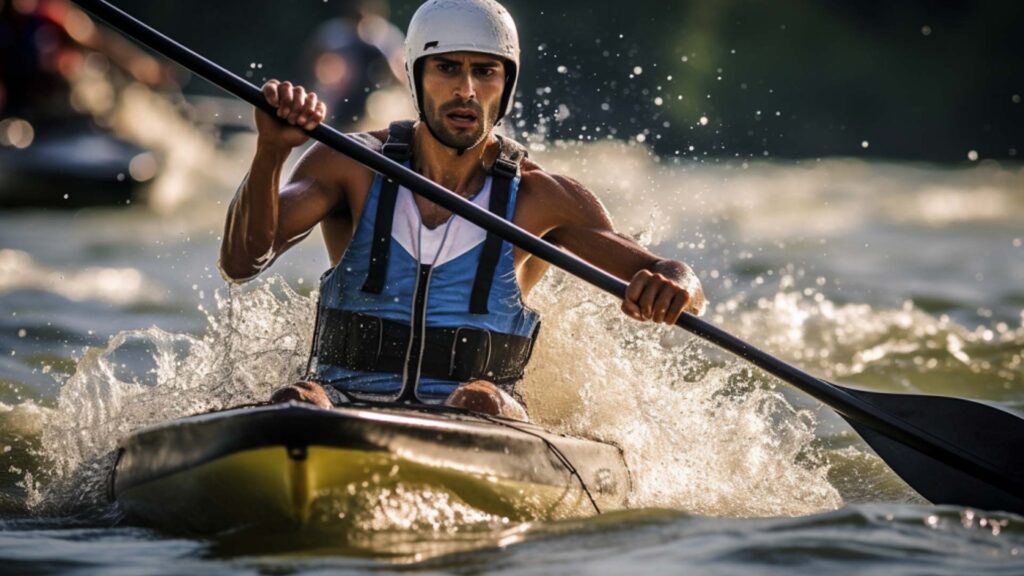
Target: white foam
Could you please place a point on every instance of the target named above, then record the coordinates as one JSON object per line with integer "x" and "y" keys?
{"x": 694, "y": 439}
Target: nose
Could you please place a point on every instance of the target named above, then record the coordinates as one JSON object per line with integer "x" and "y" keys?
{"x": 466, "y": 87}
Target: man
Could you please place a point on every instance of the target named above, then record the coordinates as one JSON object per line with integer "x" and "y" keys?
{"x": 422, "y": 306}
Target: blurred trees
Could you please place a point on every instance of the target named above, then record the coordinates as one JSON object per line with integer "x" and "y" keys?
{"x": 915, "y": 79}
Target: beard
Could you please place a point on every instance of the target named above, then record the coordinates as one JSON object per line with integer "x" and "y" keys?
{"x": 459, "y": 138}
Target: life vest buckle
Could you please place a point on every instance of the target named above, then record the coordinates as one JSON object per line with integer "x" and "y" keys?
{"x": 397, "y": 151}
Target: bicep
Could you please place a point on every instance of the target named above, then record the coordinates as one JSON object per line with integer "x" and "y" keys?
{"x": 310, "y": 195}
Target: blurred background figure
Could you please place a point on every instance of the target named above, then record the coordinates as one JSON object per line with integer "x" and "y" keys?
{"x": 352, "y": 57}
{"x": 60, "y": 76}
{"x": 44, "y": 45}
{"x": 36, "y": 56}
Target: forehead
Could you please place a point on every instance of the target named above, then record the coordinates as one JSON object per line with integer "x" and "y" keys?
{"x": 470, "y": 58}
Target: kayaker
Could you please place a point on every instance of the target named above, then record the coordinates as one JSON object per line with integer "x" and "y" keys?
{"x": 421, "y": 306}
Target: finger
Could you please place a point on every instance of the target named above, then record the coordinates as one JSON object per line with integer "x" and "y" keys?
{"x": 631, "y": 309}
{"x": 662, "y": 302}
{"x": 284, "y": 95}
{"x": 318, "y": 115}
{"x": 633, "y": 293}
{"x": 307, "y": 110}
{"x": 679, "y": 304}
{"x": 298, "y": 101}
{"x": 636, "y": 286}
{"x": 270, "y": 92}
{"x": 646, "y": 300}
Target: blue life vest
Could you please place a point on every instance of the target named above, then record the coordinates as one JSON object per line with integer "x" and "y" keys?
{"x": 410, "y": 313}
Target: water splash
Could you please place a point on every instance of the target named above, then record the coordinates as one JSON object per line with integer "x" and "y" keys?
{"x": 257, "y": 340}
{"x": 698, "y": 434}
{"x": 676, "y": 415}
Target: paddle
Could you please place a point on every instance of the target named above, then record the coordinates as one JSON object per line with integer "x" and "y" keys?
{"x": 952, "y": 451}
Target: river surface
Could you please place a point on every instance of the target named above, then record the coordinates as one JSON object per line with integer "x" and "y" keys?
{"x": 888, "y": 277}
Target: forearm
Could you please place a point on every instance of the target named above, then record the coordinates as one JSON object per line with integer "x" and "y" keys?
{"x": 251, "y": 228}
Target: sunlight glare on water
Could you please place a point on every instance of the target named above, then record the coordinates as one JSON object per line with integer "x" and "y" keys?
{"x": 891, "y": 277}
{"x": 701, "y": 434}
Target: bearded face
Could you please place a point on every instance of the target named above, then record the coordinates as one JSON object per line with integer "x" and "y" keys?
{"x": 459, "y": 125}
{"x": 462, "y": 93}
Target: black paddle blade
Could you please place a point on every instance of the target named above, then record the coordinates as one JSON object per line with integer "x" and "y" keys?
{"x": 984, "y": 467}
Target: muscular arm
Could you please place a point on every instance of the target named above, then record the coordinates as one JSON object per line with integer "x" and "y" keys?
{"x": 263, "y": 218}
{"x": 659, "y": 289}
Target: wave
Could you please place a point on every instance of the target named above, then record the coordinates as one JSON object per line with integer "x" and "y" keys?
{"x": 120, "y": 286}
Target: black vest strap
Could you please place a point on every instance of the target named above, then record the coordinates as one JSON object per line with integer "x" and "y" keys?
{"x": 398, "y": 147}
{"x": 505, "y": 169}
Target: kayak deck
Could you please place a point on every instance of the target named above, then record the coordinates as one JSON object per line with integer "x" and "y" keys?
{"x": 290, "y": 466}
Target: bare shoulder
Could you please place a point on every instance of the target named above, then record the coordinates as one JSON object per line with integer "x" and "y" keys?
{"x": 565, "y": 198}
{"x": 322, "y": 160}
{"x": 332, "y": 169}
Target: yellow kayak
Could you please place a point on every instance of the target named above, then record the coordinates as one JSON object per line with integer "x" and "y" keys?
{"x": 294, "y": 466}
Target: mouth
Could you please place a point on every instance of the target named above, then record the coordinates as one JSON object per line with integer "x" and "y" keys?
{"x": 462, "y": 117}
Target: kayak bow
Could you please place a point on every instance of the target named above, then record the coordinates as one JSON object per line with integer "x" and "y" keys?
{"x": 291, "y": 465}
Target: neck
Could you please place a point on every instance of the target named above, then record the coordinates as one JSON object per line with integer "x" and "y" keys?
{"x": 459, "y": 173}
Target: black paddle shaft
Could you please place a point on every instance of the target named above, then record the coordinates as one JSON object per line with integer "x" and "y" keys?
{"x": 844, "y": 401}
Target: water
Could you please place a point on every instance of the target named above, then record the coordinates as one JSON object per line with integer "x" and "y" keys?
{"x": 890, "y": 277}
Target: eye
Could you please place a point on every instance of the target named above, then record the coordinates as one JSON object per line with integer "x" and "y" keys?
{"x": 486, "y": 72}
{"x": 445, "y": 67}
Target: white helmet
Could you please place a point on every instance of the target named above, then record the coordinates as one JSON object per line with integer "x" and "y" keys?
{"x": 441, "y": 26}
